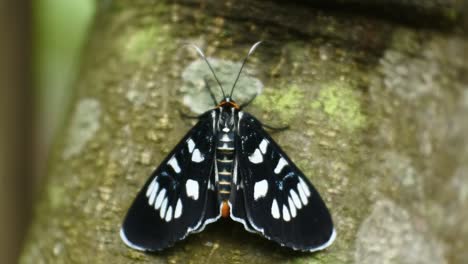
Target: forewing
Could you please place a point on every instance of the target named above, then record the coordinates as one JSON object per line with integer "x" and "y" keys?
{"x": 280, "y": 203}
{"x": 174, "y": 201}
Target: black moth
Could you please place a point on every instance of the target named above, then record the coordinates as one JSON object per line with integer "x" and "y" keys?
{"x": 228, "y": 166}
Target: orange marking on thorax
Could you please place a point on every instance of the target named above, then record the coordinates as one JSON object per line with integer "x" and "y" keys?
{"x": 231, "y": 103}
{"x": 225, "y": 210}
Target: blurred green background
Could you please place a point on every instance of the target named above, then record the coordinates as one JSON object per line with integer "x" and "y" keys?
{"x": 60, "y": 29}
{"x": 40, "y": 50}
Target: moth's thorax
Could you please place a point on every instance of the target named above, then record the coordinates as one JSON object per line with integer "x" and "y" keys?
{"x": 227, "y": 113}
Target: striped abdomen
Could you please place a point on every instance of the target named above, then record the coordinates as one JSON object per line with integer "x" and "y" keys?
{"x": 225, "y": 163}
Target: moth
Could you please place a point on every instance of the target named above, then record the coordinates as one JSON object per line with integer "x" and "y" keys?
{"x": 228, "y": 166}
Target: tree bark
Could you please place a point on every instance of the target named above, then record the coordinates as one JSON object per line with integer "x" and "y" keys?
{"x": 376, "y": 108}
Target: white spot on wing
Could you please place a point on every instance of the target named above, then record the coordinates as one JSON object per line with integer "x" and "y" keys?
{"x": 153, "y": 193}
{"x": 159, "y": 199}
{"x": 263, "y": 146}
{"x": 295, "y": 199}
{"x": 281, "y": 164}
{"x": 162, "y": 212}
{"x": 190, "y": 145}
{"x": 150, "y": 188}
{"x": 275, "y": 209}
{"x": 197, "y": 156}
{"x": 178, "y": 209}
{"x": 302, "y": 194}
{"x": 169, "y": 214}
{"x": 260, "y": 189}
{"x": 256, "y": 157}
{"x": 225, "y": 129}
{"x": 292, "y": 207}
{"x": 286, "y": 216}
{"x": 191, "y": 187}
{"x": 174, "y": 164}
{"x": 304, "y": 187}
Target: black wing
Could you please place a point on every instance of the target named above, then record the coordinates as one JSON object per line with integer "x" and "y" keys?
{"x": 177, "y": 199}
{"x": 279, "y": 202}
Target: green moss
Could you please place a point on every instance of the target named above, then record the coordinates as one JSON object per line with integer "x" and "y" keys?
{"x": 140, "y": 44}
{"x": 284, "y": 103}
{"x": 341, "y": 104}
{"x": 56, "y": 195}
{"x": 318, "y": 259}
{"x": 136, "y": 255}
{"x": 451, "y": 14}
{"x": 405, "y": 40}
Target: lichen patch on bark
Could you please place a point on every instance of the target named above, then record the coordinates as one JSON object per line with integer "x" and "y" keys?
{"x": 196, "y": 95}
{"x": 84, "y": 125}
{"x": 388, "y": 235}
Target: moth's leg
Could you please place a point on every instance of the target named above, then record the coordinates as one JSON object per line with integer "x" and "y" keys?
{"x": 272, "y": 128}
{"x": 276, "y": 129}
{"x": 248, "y": 102}
{"x": 187, "y": 116}
{"x": 207, "y": 85}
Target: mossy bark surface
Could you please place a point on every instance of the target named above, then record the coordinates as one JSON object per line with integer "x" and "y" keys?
{"x": 377, "y": 114}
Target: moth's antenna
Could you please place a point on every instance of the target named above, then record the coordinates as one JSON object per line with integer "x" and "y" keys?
{"x": 254, "y": 46}
{"x": 200, "y": 52}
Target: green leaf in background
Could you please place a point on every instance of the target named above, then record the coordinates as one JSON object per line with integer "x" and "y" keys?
{"x": 60, "y": 29}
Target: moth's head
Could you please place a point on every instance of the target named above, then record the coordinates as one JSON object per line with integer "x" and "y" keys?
{"x": 226, "y": 119}
{"x": 227, "y": 102}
